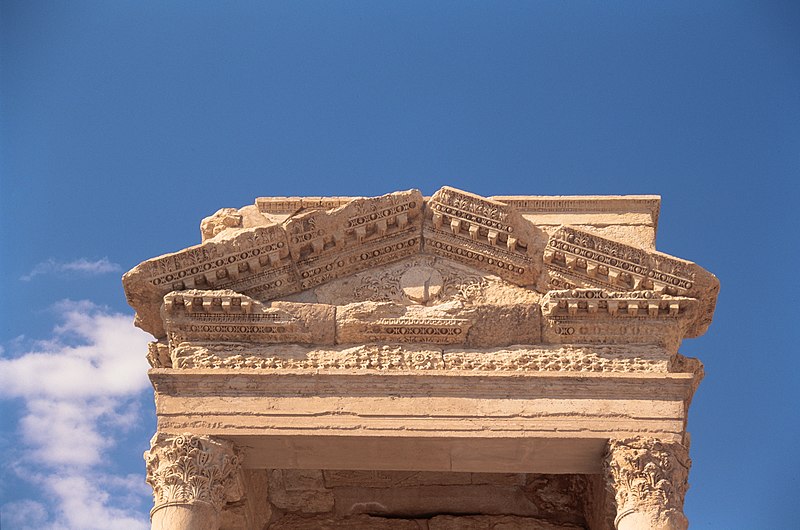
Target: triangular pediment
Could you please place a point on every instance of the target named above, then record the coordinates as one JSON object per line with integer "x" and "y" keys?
{"x": 418, "y": 253}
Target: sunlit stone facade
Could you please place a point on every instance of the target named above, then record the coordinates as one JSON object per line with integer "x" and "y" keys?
{"x": 439, "y": 362}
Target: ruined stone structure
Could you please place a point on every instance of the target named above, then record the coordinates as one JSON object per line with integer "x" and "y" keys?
{"x": 422, "y": 363}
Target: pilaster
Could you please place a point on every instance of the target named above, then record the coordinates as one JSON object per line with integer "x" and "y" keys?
{"x": 647, "y": 479}
{"x": 192, "y": 478}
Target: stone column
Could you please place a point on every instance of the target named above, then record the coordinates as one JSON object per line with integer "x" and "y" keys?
{"x": 192, "y": 479}
{"x": 647, "y": 479}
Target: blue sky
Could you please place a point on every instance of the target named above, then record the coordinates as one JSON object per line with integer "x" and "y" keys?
{"x": 123, "y": 123}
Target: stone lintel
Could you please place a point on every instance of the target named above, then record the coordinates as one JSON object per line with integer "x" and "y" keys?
{"x": 563, "y": 455}
{"x": 543, "y": 423}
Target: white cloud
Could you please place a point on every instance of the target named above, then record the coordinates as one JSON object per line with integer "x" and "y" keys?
{"x": 81, "y": 266}
{"x": 80, "y": 389}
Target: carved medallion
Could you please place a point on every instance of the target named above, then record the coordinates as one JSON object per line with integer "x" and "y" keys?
{"x": 421, "y": 284}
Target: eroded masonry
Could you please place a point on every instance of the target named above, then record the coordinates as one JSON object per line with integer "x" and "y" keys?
{"x": 414, "y": 362}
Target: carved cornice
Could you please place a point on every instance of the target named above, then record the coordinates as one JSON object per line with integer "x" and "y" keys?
{"x": 485, "y": 234}
{"x": 599, "y": 302}
{"x": 315, "y": 245}
{"x": 186, "y": 469}
{"x": 575, "y": 258}
{"x": 225, "y": 315}
{"x": 362, "y": 234}
{"x": 650, "y": 477}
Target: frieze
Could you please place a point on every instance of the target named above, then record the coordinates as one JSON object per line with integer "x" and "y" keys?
{"x": 429, "y": 330}
{"x": 606, "y": 359}
{"x": 633, "y": 330}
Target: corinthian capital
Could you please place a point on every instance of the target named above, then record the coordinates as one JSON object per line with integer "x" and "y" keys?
{"x": 648, "y": 479}
{"x": 187, "y": 469}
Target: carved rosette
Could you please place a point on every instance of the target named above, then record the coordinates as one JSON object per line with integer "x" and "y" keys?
{"x": 648, "y": 478}
{"x": 188, "y": 469}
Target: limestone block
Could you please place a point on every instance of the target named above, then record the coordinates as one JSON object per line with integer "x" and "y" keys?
{"x": 364, "y": 233}
{"x": 388, "y": 322}
{"x": 225, "y": 315}
{"x": 420, "y": 501}
{"x": 255, "y": 262}
{"x": 392, "y": 479}
{"x": 578, "y": 259}
{"x": 483, "y": 233}
{"x": 223, "y": 219}
{"x": 495, "y": 522}
{"x": 360, "y": 522}
{"x": 291, "y": 491}
{"x": 505, "y": 325}
{"x": 597, "y": 316}
{"x": 226, "y": 220}
{"x": 632, "y": 219}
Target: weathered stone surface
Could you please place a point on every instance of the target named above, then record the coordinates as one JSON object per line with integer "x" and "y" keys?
{"x": 486, "y": 234}
{"x": 361, "y": 234}
{"x": 195, "y": 316}
{"x": 451, "y": 362}
{"x": 391, "y": 479}
{"x": 359, "y": 522}
{"x": 299, "y": 491}
{"x": 495, "y": 522}
{"x": 254, "y": 262}
{"x": 226, "y": 220}
{"x": 402, "y": 357}
{"x": 575, "y": 258}
{"x": 648, "y": 480}
{"x": 187, "y": 470}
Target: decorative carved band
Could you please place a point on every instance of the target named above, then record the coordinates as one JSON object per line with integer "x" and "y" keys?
{"x": 433, "y": 331}
{"x": 581, "y": 258}
{"x": 624, "y": 304}
{"x": 361, "y": 234}
{"x": 383, "y": 357}
{"x": 225, "y": 315}
{"x": 649, "y": 477}
{"x": 186, "y": 469}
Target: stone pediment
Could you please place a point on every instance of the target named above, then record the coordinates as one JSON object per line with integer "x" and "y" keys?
{"x": 452, "y": 334}
{"x": 452, "y": 269}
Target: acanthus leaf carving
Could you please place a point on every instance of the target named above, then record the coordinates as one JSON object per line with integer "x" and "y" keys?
{"x": 648, "y": 477}
{"x": 187, "y": 468}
